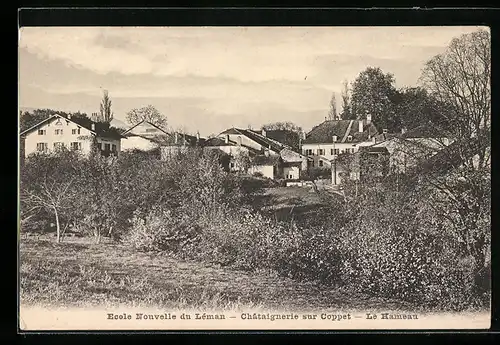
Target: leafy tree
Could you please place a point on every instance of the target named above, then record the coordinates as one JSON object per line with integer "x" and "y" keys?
{"x": 148, "y": 113}
{"x": 373, "y": 92}
{"x": 417, "y": 108}
{"x": 29, "y": 119}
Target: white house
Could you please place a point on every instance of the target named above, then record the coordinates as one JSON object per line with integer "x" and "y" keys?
{"x": 144, "y": 136}
{"x": 74, "y": 133}
{"x": 334, "y": 137}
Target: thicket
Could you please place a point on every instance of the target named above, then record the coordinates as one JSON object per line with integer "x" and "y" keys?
{"x": 384, "y": 239}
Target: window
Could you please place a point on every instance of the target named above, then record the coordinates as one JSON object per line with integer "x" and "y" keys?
{"x": 309, "y": 152}
{"x": 336, "y": 151}
{"x": 331, "y": 152}
{"x": 321, "y": 152}
{"x": 59, "y": 131}
{"x": 106, "y": 147}
{"x": 42, "y": 147}
{"x": 42, "y": 132}
{"x": 76, "y": 146}
{"x": 58, "y": 146}
{"x": 334, "y": 138}
{"x": 113, "y": 147}
{"x": 75, "y": 131}
{"x": 232, "y": 165}
{"x": 320, "y": 163}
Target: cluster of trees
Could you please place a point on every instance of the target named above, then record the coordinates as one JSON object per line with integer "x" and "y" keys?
{"x": 455, "y": 97}
{"x": 451, "y": 83}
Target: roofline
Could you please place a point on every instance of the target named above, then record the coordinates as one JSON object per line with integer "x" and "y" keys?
{"x": 55, "y": 115}
{"x": 142, "y": 121}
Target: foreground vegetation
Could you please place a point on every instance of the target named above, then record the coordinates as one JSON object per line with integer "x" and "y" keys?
{"x": 79, "y": 273}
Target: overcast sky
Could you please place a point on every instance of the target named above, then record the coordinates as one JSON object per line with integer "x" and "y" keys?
{"x": 209, "y": 79}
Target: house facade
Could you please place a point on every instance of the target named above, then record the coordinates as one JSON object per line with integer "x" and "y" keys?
{"x": 144, "y": 136}
{"x": 287, "y": 163}
{"x": 325, "y": 142}
{"x": 177, "y": 142}
{"x": 76, "y": 134}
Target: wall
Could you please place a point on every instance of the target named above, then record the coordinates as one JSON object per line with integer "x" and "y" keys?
{"x": 138, "y": 143}
{"x": 32, "y": 138}
{"x": 327, "y": 148}
{"x": 294, "y": 171}
{"x": 265, "y": 170}
{"x": 116, "y": 142}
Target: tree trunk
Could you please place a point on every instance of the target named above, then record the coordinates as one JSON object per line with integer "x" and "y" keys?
{"x": 58, "y": 226}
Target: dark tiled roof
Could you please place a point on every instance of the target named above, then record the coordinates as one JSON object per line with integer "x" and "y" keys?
{"x": 324, "y": 132}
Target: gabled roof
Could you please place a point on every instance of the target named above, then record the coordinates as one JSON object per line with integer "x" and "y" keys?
{"x": 324, "y": 132}
{"x": 101, "y": 129}
{"x": 144, "y": 122}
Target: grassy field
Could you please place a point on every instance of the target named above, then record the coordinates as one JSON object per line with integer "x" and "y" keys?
{"x": 78, "y": 273}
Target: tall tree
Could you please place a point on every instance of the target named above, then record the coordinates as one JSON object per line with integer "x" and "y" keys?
{"x": 105, "y": 113}
{"x": 460, "y": 78}
{"x": 148, "y": 113}
{"x": 285, "y": 126}
{"x": 332, "y": 112}
{"x": 374, "y": 92}
{"x": 346, "y": 113}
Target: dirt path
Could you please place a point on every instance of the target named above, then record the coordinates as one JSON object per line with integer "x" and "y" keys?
{"x": 165, "y": 278}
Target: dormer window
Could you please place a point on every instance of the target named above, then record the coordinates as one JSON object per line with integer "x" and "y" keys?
{"x": 334, "y": 138}
{"x": 349, "y": 138}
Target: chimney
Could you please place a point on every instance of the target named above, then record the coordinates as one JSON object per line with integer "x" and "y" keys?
{"x": 176, "y": 137}
{"x": 303, "y": 135}
{"x": 69, "y": 116}
{"x": 227, "y": 138}
{"x": 197, "y": 136}
{"x": 326, "y": 118}
{"x": 263, "y": 132}
{"x": 92, "y": 127}
{"x": 239, "y": 141}
{"x": 368, "y": 118}
{"x": 334, "y": 138}
{"x": 360, "y": 126}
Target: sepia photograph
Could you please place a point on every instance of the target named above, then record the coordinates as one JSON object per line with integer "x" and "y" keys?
{"x": 254, "y": 178}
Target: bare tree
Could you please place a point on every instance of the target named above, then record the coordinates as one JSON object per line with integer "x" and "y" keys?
{"x": 346, "y": 101}
{"x": 459, "y": 177}
{"x": 148, "y": 113}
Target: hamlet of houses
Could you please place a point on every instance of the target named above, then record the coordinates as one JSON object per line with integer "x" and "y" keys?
{"x": 270, "y": 153}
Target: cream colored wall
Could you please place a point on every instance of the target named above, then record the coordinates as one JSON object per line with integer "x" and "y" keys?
{"x": 138, "y": 143}
{"x": 265, "y": 170}
{"x": 294, "y": 171}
